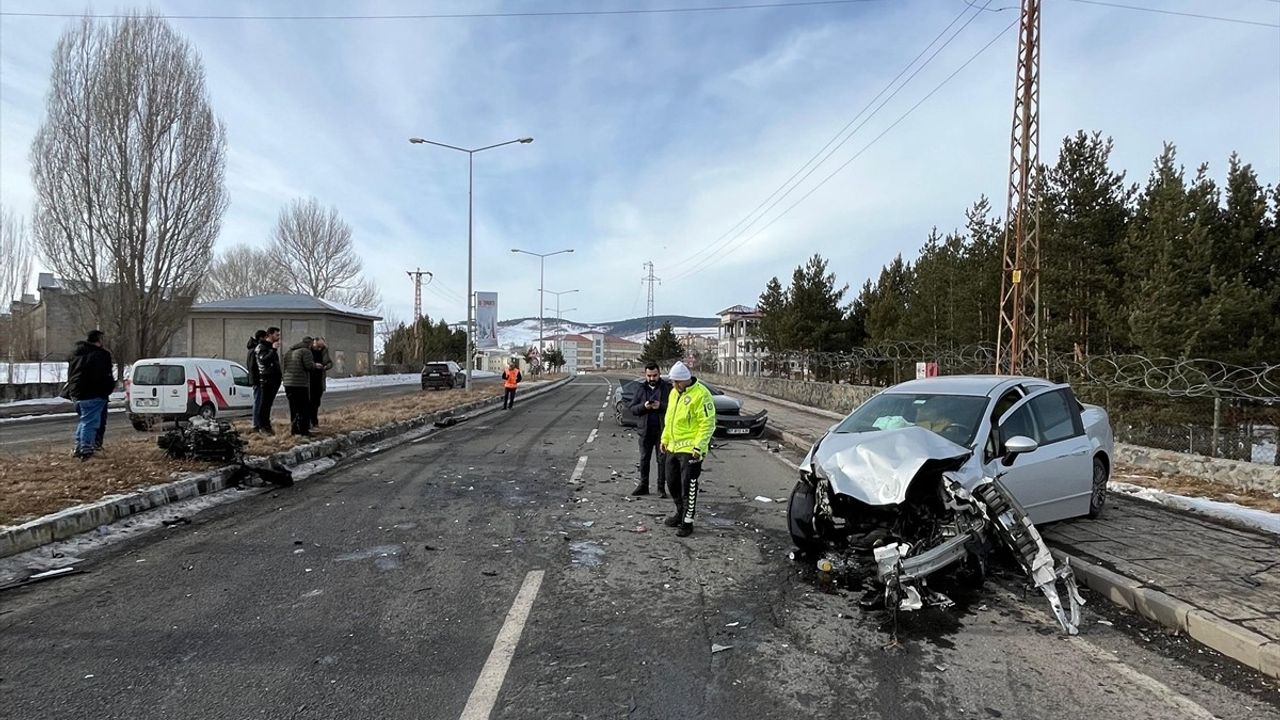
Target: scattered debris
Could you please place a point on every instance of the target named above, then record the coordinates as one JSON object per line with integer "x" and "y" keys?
{"x": 732, "y": 624}
{"x": 640, "y": 529}
{"x": 179, "y": 520}
{"x": 715, "y": 648}
{"x": 489, "y": 573}
{"x": 430, "y": 547}
{"x": 763, "y": 499}
{"x": 42, "y": 576}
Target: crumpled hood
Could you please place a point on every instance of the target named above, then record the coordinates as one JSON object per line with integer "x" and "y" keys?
{"x": 877, "y": 467}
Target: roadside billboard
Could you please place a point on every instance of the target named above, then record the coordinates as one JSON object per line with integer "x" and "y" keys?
{"x": 486, "y": 320}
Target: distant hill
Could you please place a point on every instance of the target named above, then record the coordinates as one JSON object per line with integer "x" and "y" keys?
{"x": 524, "y": 330}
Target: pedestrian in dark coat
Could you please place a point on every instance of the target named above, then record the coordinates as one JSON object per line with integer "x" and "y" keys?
{"x": 296, "y": 368}
{"x": 650, "y": 406}
{"x": 251, "y": 364}
{"x": 321, "y": 364}
{"x": 267, "y": 358}
{"x": 89, "y": 385}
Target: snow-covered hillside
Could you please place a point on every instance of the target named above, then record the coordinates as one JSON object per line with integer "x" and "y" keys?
{"x": 710, "y": 332}
{"x": 524, "y": 333}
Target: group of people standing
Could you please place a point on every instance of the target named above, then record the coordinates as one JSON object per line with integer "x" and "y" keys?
{"x": 300, "y": 368}
{"x": 677, "y": 420}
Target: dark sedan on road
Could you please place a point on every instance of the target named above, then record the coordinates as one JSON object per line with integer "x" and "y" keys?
{"x": 730, "y": 422}
{"x": 444, "y": 374}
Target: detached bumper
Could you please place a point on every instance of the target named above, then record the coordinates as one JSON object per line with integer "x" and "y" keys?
{"x": 749, "y": 426}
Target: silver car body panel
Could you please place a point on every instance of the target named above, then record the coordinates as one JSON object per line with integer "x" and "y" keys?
{"x": 878, "y": 467}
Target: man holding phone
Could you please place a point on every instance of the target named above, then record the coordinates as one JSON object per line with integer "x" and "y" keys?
{"x": 650, "y": 406}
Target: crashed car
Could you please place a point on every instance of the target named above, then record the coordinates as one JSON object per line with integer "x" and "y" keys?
{"x": 730, "y": 422}
{"x": 929, "y": 475}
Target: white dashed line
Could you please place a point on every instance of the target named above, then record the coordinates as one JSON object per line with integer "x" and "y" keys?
{"x": 485, "y": 693}
{"x": 592, "y": 436}
{"x": 577, "y": 471}
{"x": 600, "y": 417}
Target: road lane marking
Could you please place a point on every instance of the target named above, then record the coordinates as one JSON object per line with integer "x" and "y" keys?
{"x": 600, "y": 417}
{"x": 606, "y": 404}
{"x": 577, "y": 471}
{"x": 1186, "y": 707}
{"x": 485, "y": 692}
{"x": 592, "y": 436}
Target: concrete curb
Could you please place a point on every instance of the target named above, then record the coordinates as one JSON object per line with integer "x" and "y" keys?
{"x": 82, "y": 518}
{"x": 1235, "y": 641}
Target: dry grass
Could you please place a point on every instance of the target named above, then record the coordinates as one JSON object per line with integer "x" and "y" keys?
{"x": 1197, "y": 487}
{"x": 38, "y": 483}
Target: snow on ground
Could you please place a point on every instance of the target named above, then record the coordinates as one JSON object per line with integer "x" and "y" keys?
{"x": 1251, "y": 517}
{"x": 33, "y": 372}
{"x": 363, "y": 381}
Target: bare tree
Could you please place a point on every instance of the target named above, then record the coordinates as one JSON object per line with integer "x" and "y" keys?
{"x": 17, "y": 253}
{"x": 128, "y": 169}
{"x": 312, "y": 245}
{"x": 240, "y": 271}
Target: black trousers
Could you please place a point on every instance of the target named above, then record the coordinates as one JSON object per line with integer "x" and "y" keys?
{"x": 317, "y": 390}
{"x": 299, "y": 410}
{"x": 648, "y": 448}
{"x": 269, "y": 389}
{"x": 509, "y": 398}
{"x": 682, "y": 483}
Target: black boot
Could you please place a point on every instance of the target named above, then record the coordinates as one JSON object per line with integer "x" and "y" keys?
{"x": 641, "y": 489}
{"x": 673, "y": 521}
{"x": 686, "y": 529}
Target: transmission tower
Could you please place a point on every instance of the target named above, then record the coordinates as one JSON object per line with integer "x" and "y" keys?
{"x": 1018, "y": 337}
{"x": 651, "y": 280}
{"x": 416, "y": 276}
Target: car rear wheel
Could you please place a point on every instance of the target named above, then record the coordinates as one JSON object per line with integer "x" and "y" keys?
{"x": 208, "y": 411}
{"x": 1098, "y": 497}
{"x": 800, "y": 517}
{"x": 142, "y": 423}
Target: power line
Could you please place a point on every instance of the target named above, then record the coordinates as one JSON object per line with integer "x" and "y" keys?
{"x": 1218, "y": 18}
{"x": 730, "y": 242}
{"x": 710, "y": 249}
{"x": 456, "y": 16}
{"x": 884, "y": 132}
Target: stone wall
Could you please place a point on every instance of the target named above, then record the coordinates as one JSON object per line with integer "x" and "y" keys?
{"x": 828, "y": 396}
{"x": 1243, "y": 475}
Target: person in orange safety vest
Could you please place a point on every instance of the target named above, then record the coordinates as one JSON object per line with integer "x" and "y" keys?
{"x": 510, "y": 378}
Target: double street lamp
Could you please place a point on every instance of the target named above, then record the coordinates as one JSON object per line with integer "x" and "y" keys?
{"x": 471, "y": 360}
{"x": 559, "y": 316}
{"x": 542, "y": 261}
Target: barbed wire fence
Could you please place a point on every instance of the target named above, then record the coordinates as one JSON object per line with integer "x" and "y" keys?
{"x": 1196, "y": 405}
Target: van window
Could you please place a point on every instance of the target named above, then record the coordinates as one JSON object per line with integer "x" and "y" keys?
{"x": 240, "y": 377}
{"x": 159, "y": 375}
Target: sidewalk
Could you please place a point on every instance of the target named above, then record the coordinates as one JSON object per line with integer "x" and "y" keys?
{"x": 1213, "y": 582}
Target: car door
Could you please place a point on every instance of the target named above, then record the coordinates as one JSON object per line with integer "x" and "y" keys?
{"x": 1052, "y": 482}
{"x": 241, "y": 390}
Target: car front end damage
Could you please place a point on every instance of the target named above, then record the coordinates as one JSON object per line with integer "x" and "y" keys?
{"x": 899, "y": 507}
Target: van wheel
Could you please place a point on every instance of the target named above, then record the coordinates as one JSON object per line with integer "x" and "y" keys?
{"x": 208, "y": 411}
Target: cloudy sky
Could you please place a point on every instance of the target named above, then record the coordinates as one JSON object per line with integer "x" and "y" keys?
{"x": 658, "y": 135}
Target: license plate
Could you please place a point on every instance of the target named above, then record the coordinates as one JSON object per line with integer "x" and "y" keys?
{"x": 738, "y": 431}
{"x": 146, "y": 402}
{"x": 433, "y": 374}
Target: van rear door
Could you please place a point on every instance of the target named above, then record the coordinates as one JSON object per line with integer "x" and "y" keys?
{"x": 159, "y": 388}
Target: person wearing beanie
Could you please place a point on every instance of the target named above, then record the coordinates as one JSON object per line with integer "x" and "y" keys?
{"x": 686, "y": 439}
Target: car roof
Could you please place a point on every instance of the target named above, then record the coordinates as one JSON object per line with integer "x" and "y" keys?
{"x": 976, "y": 385}
{"x": 173, "y": 360}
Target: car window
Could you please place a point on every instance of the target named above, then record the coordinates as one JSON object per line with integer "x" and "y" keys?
{"x": 436, "y": 367}
{"x": 240, "y": 377}
{"x": 954, "y": 417}
{"x": 629, "y": 387}
{"x": 1055, "y": 418}
{"x": 1020, "y": 422}
{"x": 159, "y": 375}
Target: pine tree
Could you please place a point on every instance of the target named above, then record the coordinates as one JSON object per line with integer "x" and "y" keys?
{"x": 815, "y": 308}
{"x": 663, "y": 348}
{"x": 774, "y": 329}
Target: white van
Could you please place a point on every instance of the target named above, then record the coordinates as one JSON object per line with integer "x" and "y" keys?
{"x": 181, "y": 388}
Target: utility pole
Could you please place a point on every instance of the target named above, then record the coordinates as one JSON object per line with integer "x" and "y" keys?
{"x": 651, "y": 280}
{"x": 1018, "y": 337}
{"x": 416, "y": 276}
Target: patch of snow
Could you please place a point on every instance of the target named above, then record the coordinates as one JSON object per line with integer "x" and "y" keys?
{"x": 32, "y": 372}
{"x": 364, "y": 381}
{"x": 36, "y": 401}
{"x": 1251, "y": 517}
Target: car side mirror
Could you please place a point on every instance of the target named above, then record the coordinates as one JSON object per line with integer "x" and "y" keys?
{"x": 1018, "y": 445}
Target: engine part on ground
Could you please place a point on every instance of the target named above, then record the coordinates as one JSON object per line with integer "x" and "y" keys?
{"x": 201, "y": 439}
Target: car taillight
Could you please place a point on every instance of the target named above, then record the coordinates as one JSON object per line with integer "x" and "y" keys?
{"x": 191, "y": 388}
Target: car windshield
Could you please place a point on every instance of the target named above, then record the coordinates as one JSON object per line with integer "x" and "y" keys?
{"x": 434, "y": 367}
{"x": 954, "y": 417}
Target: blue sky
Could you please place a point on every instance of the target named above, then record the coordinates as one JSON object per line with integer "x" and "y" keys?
{"x": 655, "y": 134}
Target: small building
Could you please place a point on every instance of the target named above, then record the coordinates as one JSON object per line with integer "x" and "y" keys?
{"x": 598, "y": 351}
{"x": 739, "y": 351}
{"x": 223, "y": 327}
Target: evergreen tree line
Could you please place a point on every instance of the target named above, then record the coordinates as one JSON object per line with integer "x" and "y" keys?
{"x": 424, "y": 341}
{"x": 1179, "y": 267}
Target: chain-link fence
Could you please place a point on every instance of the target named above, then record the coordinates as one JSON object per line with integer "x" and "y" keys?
{"x": 1194, "y": 405}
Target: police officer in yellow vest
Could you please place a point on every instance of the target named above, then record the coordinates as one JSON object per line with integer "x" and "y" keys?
{"x": 686, "y": 439}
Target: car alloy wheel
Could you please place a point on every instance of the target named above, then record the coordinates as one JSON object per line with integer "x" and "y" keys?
{"x": 1098, "y": 497}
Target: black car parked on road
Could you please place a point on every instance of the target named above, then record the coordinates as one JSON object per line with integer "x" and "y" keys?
{"x": 443, "y": 374}
{"x": 730, "y": 422}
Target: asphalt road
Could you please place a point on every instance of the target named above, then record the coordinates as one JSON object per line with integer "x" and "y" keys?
{"x": 52, "y": 433}
{"x": 394, "y": 587}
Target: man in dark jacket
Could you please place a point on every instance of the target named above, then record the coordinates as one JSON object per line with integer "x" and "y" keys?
{"x": 297, "y": 365}
{"x": 89, "y": 385}
{"x": 650, "y": 405}
{"x": 267, "y": 358}
{"x": 251, "y": 364}
{"x": 321, "y": 364}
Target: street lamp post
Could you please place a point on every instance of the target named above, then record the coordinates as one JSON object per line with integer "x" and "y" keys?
{"x": 559, "y": 316}
{"x": 542, "y": 261}
{"x": 471, "y": 153}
